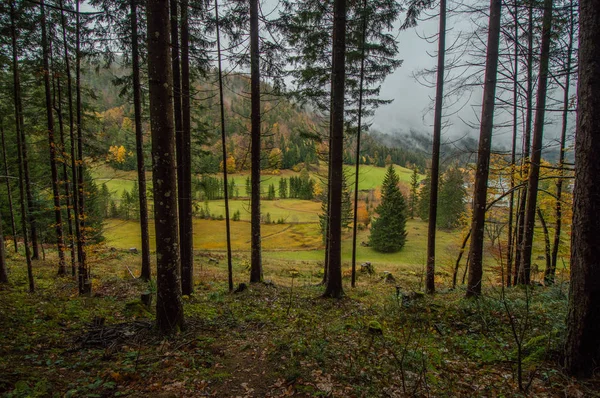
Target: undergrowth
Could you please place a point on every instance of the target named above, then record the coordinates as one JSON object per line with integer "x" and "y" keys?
{"x": 271, "y": 340}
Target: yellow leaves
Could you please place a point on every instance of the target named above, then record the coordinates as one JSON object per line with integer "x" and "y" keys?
{"x": 117, "y": 154}
{"x": 231, "y": 165}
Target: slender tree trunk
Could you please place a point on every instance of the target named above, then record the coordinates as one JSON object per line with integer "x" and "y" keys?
{"x": 60, "y": 242}
{"x": 74, "y": 170}
{"x": 334, "y": 281}
{"x": 546, "y": 238}
{"x": 169, "y": 306}
{"x": 538, "y": 133}
{"x": 513, "y": 153}
{"x": 224, "y": 148}
{"x": 358, "y": 133}
{"x": 435, "y": 154}
{"x": 185, "y": 200}
{"x": 85, "y": 285}
{"x": 256, "y": 273}
{"x": 519, "y": 273}
{"x": 483, "y": 155}
{"x": 9, "y": 189}
{"x": 21, "y": 153}
{"x": 187, "y": 281}
{"x": 57, "y": 105}
{"x": 551, "y": 271}
{"x": 582, "y": 346}
{"x": 146, "y": 273}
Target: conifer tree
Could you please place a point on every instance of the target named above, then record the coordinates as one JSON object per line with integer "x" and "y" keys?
{"x": 451, "y": 201}
{"x": 388, "y": 231}
{"x": 414, "y": 192}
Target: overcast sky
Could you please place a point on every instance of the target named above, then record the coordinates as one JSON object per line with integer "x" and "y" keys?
{"x": 412, "y": 101}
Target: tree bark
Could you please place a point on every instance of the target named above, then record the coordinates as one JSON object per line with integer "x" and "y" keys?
{"x": 74, "y": 171}
{"x": 358, "y": 133}
{"x": 21, "y": 145}
{"x": 57, "y": 105}
{"x": 538, "y": 134}
{"x": 513, "y": 153}
{"x": 334, "y": 278}
{"x": 518, "y": 272}
{"x": 146, "y": 273}
{"x": 435, "y": 154}
{"x": 60, "y": 242}
{"x": 582, "y": 347}
{"x": 483, "y": 154}
{"x": 9, "y": 190}
{"x": 169, "y": 307}
{"x": 84, "y": 273}
{"x": 256, "y": 273}
{"x": 185, "y": 200}
{"x": 224, "y": 149}
{"x": 551, "y": 271}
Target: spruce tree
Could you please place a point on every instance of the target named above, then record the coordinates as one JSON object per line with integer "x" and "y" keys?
{"x": 451, "y": 204}
{"x": 388, "y": 232}
{"x": 414, "y": 191}
{"x": 423, "y": 202}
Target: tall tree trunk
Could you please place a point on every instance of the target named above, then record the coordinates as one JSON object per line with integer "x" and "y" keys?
{"x": 146, "y": 273}
{"x": 8, "y": 189}
{"x": 551, "y": 271}
{"x": 483, "y": 154}
{"x": 60, "y": 242}
{"x": 513, "y": 152}
{"x": 334, "y": 280}
{"x": 185, "y": 198}
{"x": 518, "y": 271}
{"x": 224, "y": 148}
{"x": 57, "y": 105}
{"x": 435, "y": 154}
{"x": 358, "y": 133}
{"x": 21, "y": 144}
{"x": 538, "y": 133}
{"x": 85, "y": 285}
{"x": 71, "y": 136}
{"x": 169, "y": 306}
{"x": 187, "y": 280}
{"x": 256, "y": 273}
{"x": 582, "y": 346}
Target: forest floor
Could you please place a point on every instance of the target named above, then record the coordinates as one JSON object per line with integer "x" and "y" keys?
{"x": 278, "y": 339}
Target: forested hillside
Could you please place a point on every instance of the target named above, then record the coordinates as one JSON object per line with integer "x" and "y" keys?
{"x": 193, "y": 201}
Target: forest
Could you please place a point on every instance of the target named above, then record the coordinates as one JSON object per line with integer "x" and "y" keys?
{"x": 203, "y": 199}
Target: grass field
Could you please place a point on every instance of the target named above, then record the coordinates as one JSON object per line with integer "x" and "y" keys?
{"x": 300, "y": 245}
{"x": 371, "y": 177}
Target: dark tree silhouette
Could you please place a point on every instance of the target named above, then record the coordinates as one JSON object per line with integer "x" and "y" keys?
{"x": 60, "y": 243}
{"x": 582, "y": 346}
{"x": 334, "y": 275}
{"x": 256, "y": 273}
{"x": 139, "y": 143}
{"x": 21, "y": 146}
{"x": 169, "y": 307}
{"x": 483, "y": 154}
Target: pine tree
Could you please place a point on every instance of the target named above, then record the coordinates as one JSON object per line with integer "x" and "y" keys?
{"x": 282, "y": 188}
{"x": 169, "y": 307}
{"x": 346, "y": 208}
{"x": 582, "y": 346}
{"x": 388, "y": 232}
{"x": 271, "y": 194}
{"x": 414, "y": 192}
{"x": 451, "y": 202}
{"x": 422, "y": 208}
